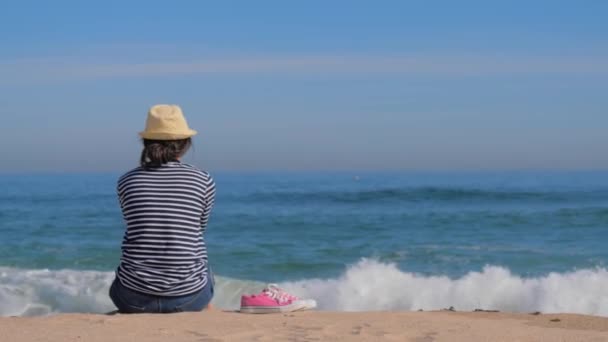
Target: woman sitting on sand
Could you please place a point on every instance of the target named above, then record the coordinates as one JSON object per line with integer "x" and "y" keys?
{"x": 166, "y": 206}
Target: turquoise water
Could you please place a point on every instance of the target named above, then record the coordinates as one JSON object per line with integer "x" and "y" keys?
{"x": 498, "y": 240}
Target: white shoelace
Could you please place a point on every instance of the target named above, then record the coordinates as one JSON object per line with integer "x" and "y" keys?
{"x": 278, "y": 294}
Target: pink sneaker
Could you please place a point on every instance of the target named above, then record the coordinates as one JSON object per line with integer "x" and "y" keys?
{"x": 274, "y": 299}
{"x": 263, "y": 303}
{"x": 274, "y": 291}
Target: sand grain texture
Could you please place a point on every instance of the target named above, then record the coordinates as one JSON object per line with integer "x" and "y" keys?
{"x": 307, "y": 326}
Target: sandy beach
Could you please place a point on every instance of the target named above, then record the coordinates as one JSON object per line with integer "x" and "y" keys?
{"x": 307, "y": 326}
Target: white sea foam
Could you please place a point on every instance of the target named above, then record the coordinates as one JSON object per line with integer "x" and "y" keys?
{"x": 367, "y": 285}
{"x": 40, "y": 292}
{"x": 371, "y": 285}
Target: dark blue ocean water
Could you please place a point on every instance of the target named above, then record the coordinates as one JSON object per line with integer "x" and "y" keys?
{"x": 305, "y": 229}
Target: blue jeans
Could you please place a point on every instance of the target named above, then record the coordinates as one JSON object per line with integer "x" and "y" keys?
{"x": 130, "y": 301}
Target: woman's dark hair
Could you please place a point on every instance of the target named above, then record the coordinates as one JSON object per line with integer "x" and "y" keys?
{"x": 157, "y": 152}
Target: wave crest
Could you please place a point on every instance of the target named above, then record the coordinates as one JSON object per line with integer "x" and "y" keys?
{"x": 367, "y": 285}
{"x": 371, "y": 285}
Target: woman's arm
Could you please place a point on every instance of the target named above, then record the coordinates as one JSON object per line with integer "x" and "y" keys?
{"x": 209, "y": 200}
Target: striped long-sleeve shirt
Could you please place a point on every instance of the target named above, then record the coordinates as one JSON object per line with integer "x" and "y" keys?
{"x": 166, "y": 210}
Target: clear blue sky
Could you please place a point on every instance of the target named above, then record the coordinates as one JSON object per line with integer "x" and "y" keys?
{"x": 424, "y": 85}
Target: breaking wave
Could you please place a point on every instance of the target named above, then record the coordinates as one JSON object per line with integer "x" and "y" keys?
{"x": 366, "y": 285}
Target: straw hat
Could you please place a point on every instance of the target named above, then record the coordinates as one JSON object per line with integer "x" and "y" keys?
{"x": 166, "y": 122}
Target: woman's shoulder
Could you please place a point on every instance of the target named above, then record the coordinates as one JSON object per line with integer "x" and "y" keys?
{"x": 129, "y": 173}
{"x": 196, "y": 171}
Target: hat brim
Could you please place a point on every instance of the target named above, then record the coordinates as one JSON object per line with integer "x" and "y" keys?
{"x": 166, "y": 135}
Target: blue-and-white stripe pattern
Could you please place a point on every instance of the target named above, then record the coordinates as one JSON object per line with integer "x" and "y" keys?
{"x": 166, "y": 210}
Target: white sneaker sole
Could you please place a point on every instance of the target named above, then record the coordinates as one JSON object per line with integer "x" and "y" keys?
{"x": 295, "y": 306}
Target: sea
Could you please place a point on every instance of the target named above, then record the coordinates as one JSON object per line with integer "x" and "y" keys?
{"x": 353, "y": 241}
